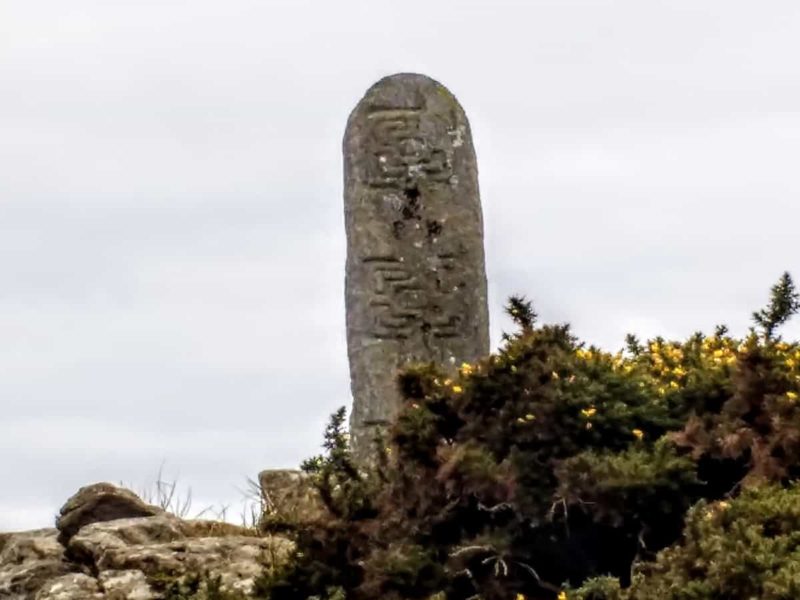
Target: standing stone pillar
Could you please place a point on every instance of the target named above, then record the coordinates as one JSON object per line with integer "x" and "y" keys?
{"x": 415, "y": 285}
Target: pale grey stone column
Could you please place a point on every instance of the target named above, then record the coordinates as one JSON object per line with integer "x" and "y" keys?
{"x": 415, "y": 276}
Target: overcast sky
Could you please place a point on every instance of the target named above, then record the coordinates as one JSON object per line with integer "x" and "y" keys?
{"x": 171, "y": 231}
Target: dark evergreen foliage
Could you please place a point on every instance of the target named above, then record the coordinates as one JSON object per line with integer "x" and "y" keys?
{"x": 552, "y": 470}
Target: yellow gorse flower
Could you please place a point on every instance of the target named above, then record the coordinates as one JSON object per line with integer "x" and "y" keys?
{"x": 457, "y": 389}
{"x": 589, "y": 412}
{"x": 467, "y": 369}
{"x": 562, "y": 595}
{"x": 675, "y": 353}
{"x": 791, "y": 395}
{"x": 638, "y": 433}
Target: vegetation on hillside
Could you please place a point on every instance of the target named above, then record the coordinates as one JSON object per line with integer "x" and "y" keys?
{"x": 553, "y": 470}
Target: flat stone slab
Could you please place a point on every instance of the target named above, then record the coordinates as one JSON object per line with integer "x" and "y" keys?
{"x": 415, "y": 276}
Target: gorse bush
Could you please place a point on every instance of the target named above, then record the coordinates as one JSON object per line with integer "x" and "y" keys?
{"x": 744, "y": 548}
{"x": 555, "y": 470}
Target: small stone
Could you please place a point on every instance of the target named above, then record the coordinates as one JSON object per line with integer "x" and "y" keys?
{"x": 100, "y": 502}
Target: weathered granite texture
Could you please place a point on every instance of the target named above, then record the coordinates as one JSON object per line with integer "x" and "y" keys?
{"x": 100, "y": 502}
{"x": 111, "y": 545}
{"x": 28, "y": 560}
{"x": 415, "y": 276}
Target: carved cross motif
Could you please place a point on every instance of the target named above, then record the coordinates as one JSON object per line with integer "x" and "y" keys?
{"x": 405, "y": 304}
{"x": 400, "y": 152}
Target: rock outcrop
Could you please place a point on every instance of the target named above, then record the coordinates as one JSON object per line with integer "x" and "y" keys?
{"x": 100, "y": 502}
{"x": 111, "y": 545}
{"x": 28, "y": 560}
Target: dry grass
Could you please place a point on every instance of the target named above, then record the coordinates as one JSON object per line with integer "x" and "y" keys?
{"x": 166, "y": 493}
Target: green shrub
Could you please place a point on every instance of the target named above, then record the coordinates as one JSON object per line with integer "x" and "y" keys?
{"x": 551, "y": 464}
{"x": 744, "y": 548}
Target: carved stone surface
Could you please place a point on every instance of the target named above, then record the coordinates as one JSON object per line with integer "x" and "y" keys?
{"x": 416, "y": 279}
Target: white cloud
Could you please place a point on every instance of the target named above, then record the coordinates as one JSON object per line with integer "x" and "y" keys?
{"x": 171, "y": 232}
